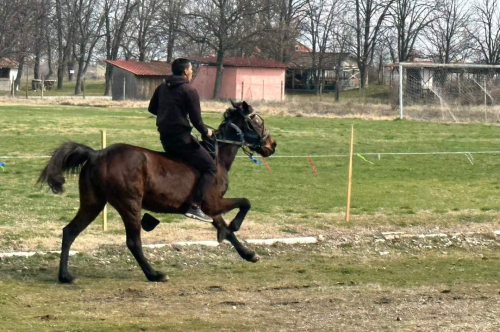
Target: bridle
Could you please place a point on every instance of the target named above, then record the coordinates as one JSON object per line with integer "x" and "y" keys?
{"x": 251, "y": 137}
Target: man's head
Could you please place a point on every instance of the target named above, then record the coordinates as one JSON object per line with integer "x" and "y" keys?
{"x": 182, "y": 67}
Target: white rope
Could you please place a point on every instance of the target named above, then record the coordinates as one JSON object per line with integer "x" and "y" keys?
{"x": 326, "y": 155}
{"x": 385, "y": 153}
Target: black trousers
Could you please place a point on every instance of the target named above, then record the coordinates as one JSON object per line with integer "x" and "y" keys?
{"x": 195, "y": 155}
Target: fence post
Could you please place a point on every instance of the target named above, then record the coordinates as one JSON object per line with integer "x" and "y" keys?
{"x": 242, "y": 89}
{"x": 12, "y": 88}
{"x": 105, "y": 210}
{"x": 43, "y": 85}
{"x": 349, "y": 183}
{"x": 83, "y": 88}
{"x": 124, "y": 86}
{"x": 400, "y": 91}
{"x": 281, "y": 92}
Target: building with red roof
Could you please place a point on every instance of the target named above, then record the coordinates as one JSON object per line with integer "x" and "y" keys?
{"x": 8, "y": 73}
{"x": 136, "y": 79}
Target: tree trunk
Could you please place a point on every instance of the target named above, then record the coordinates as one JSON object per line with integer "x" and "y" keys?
{"x": 60, "y": 77}
{"x": 170, "y": 44}
{"x": 79, "y": 76}
{"x": 17, "y": 82}
{"x": 218, "y": 77}
{"x": 36, "y": 69}
{"x": 109, "y": 79}
{"x": 362, "y": 77}
{"x": 49, "y": 59}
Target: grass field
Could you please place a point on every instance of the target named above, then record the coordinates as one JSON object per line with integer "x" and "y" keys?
{"x": 94, "y": 87}
{"x": 350, "y": 282}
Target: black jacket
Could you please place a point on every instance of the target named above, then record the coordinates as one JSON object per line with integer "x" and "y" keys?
{"x": 172, "y": 102}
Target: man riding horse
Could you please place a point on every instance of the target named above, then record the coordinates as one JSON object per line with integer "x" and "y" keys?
{"x": 133, "y": 179}
{"x": 172, "y": 103}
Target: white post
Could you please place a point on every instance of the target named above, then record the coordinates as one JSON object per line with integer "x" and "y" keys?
{"x": 400, "y": 91}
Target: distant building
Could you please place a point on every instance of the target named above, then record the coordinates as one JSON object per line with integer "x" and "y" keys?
{"x": 8, "y": 73}
{"x": 139, "y": 79}
{"x": 300, "y": 71}
{"x": 242, "y": 79}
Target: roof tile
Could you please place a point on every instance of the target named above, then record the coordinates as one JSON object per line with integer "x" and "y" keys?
{"x": 8, "y": 63}
{"x": 139, "y": 68}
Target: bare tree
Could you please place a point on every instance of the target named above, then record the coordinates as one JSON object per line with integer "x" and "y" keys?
{"x": 170, "y": 16}
{"x": 321, "y": 17}
{"x": 447, "y": 39}
{"x": 90, "y": 20}
{"x": 409, "y": 19}
{"x": 282, "y": 26}
{"x": 146, "y": 33}
{"x": 66, "y": 27}
{"x": 367, "y": 25}
{"x": 14, "y": 16}
{"x": 117, "y": 14}
{"x": 342, "y": 37}
{"x": 219, "y": 24}
{"x": 486, "y": 31}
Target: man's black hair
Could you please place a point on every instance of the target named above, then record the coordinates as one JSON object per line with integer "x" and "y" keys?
{"x": 179, "y": 66}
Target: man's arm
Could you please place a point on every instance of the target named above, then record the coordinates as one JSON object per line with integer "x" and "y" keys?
{"x": 153, "y": 104}
{"x": 194, "y": 111}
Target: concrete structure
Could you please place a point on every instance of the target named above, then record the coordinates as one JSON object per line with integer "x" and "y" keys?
{"x": 8, "y": 73}
{"x": 243, "y": 78}
{"x": 136, "y": 79}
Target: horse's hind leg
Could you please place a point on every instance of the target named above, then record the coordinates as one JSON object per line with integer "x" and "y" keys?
{"x": 224, "y": 231}
{"x": 90, "y": 207}
{"x": 131, "y": 215}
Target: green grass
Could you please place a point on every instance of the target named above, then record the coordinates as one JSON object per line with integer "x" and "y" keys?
{"x": 93, "y": 88}
{"x": 432, "y": 285}
{"x": 213, "y": 290}
{"x": 374, "y": 93}
{"x": 393, "y": 185}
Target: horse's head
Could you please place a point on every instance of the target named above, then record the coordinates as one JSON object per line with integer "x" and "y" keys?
{"x": 242, "y": 124}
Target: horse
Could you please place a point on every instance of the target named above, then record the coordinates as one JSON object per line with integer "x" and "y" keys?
{"x": 132, "y": 178}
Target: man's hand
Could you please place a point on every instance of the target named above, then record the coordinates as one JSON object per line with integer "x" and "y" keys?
{"x": 209, "y": 133}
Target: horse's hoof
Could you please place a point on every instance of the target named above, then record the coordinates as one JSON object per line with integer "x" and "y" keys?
{"x": 222, "y": 235}
{"x": 66, "y": 279}
{"x": 158, "y": 277}
{"x": 254, "y": 259}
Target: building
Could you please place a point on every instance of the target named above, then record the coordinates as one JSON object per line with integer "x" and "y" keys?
{"x": 137, "y": 80}
{"x": 242, "y": 78}
{"x": 8, "y": 73}
{"x": 300, "y": 71}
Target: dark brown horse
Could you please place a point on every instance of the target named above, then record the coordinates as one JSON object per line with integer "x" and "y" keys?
{"x": 131, "y": 178}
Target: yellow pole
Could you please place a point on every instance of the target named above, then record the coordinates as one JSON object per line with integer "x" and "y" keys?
{"x": 105, "y": 211}
{"x": 349, "y": 184}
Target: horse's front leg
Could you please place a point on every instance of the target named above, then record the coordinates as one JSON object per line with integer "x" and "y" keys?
{"x": 224, "y": 233}
{"x": 232, "y": 203}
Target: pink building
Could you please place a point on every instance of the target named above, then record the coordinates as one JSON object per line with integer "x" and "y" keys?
{"x": 242, "y": 78}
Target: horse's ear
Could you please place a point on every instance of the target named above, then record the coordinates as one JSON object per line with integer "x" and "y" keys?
{"x": 232, "y": 103}
{"x": 246, "y": 107}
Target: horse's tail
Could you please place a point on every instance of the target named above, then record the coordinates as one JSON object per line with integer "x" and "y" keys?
{"x": 68, "y": 158}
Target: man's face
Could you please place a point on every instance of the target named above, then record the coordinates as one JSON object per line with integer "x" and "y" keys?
{"x": 189, "y": 72}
